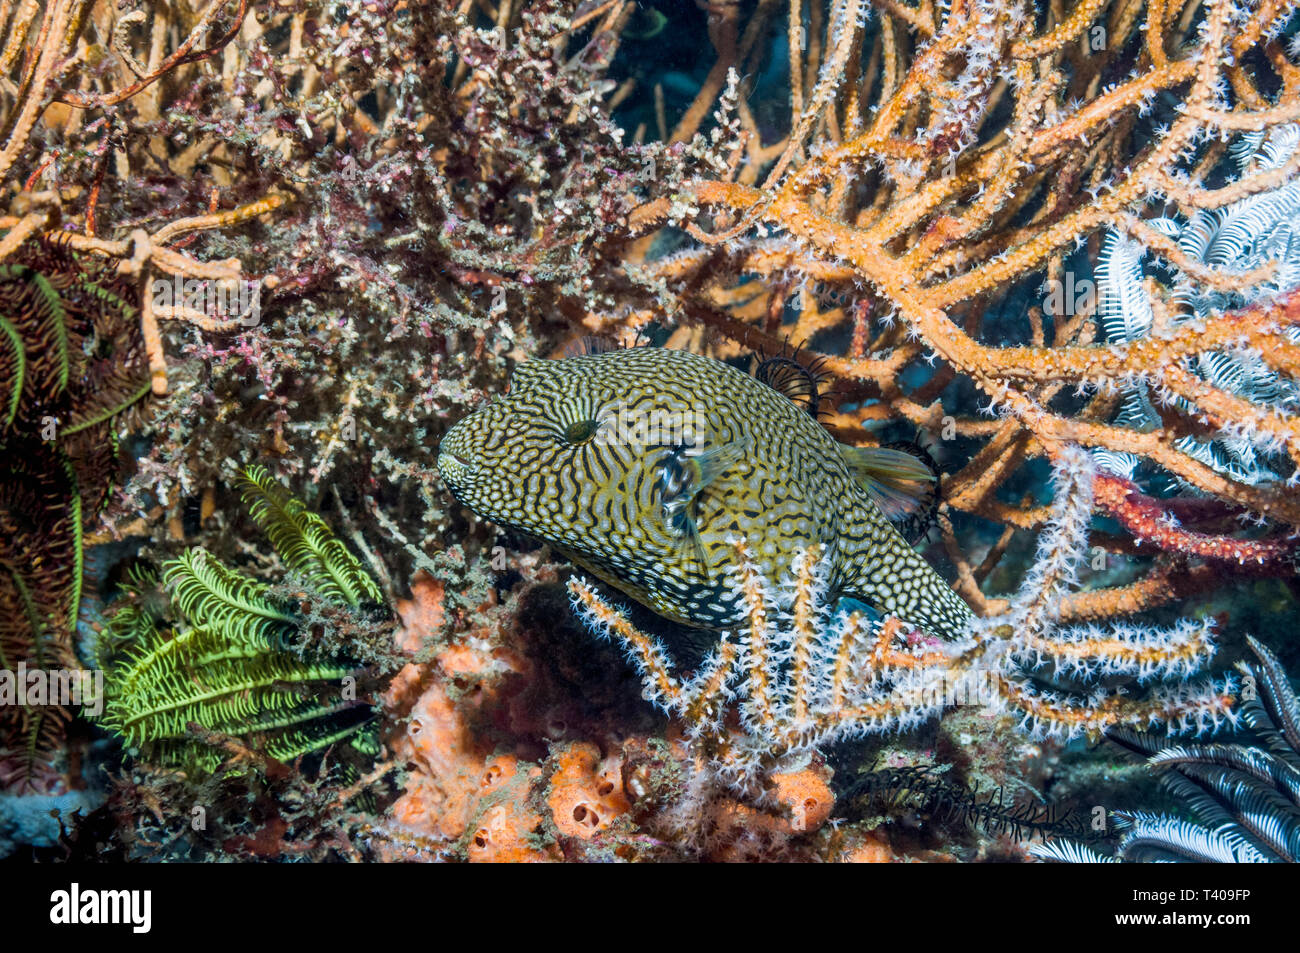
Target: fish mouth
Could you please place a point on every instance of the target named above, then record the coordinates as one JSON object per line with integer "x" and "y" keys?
{"x": 455, "y": 456}
{"x": 453, "y": 464}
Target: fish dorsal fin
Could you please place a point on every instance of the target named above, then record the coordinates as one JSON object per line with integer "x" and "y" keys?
{"x": 900, "y": 482}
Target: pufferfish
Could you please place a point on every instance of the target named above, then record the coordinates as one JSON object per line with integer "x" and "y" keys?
{"x": 644, "y": 465}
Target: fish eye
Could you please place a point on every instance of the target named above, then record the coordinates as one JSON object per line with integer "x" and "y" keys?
{"x": 580, "y": 431}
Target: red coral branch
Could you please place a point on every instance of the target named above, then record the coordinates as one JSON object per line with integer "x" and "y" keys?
{"x": 1152, "y": 521}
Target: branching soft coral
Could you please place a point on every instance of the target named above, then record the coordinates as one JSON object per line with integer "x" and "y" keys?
{"x": 421, "y": 194}
{"x": 952, "y": 170}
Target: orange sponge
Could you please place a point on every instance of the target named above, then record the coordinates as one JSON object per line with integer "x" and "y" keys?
{"x": 586, "y": 793}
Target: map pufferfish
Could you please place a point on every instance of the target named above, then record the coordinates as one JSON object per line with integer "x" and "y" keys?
{"x": 642, "y": 465}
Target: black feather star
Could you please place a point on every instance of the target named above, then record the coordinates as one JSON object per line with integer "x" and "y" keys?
{"x": 942, "y": 801}
{"x": 1245, "y": 799}
{"x": 800, "y": 381}
{"x": 73, "y": 375}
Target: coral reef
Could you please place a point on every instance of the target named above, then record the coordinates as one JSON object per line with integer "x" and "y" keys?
{"x": 314, "y": 235}
{"x": 993, "y": 153}
{"x": 493, "y": 775}
{"x": 641, "y": 797}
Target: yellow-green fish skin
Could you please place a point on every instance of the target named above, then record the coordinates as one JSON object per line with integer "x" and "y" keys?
{"x": 550, "y": 458}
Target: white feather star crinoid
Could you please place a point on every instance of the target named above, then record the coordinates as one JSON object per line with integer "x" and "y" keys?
{"x": 1245, "y": 797}
{"x": 1246, "y": 253}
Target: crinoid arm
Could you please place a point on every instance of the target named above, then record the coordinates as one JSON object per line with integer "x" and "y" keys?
{"x": 1245, "y": 799}
{"x": 1068, "y": 852}
{"x": 304, "y": 541}
{"x": 798, "y": 381}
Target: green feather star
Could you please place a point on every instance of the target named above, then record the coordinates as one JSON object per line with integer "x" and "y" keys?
{"x": 221, "y": 657}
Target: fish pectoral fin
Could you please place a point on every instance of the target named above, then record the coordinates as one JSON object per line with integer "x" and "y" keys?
{"x": 683, "y": 479}
{"x": 896, "y": 481}
{"x": 697, "y": 546}
{"x": 712, "y": 463}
